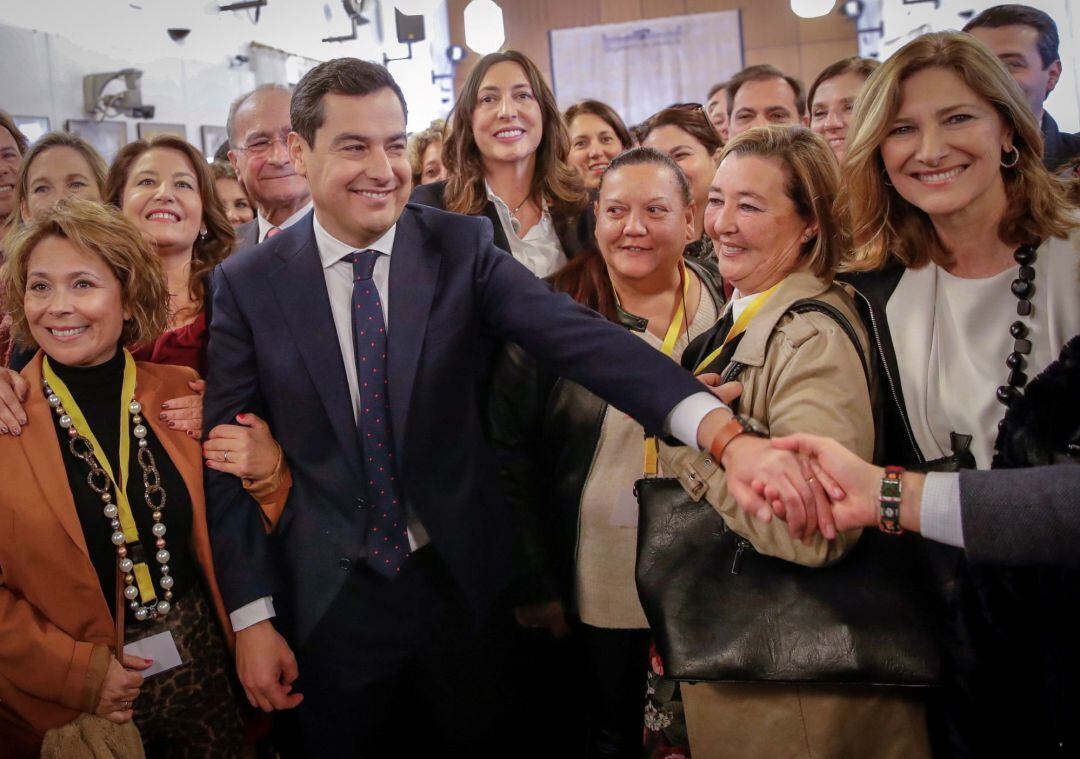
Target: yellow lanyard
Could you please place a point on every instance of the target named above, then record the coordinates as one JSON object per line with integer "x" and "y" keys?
{"x": 667, "y": 348}
{"x": 739, "y": 326}
{"x": 78, "y": 420}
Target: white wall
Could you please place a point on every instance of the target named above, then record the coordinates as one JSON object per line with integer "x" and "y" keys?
{"x": 903, "y": 22}
{"x": 49, "y": 45}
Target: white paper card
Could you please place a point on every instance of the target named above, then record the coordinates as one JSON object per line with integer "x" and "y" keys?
{"x": 161, "y": 648}
{"x": 625, "y": 513}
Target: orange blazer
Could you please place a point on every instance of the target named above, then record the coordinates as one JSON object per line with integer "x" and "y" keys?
{"x": 56, "y": 631}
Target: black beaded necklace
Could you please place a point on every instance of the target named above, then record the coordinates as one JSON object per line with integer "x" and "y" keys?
{"x": 1023, "y": 287}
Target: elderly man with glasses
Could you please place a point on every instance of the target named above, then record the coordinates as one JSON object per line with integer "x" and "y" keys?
{"x": 258, "y": 127}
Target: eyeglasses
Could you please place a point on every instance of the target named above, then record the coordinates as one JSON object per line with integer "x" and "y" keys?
{"x": 263, "y": 145}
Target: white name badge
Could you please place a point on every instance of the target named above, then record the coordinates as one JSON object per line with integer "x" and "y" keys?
{"x": 161, "y": 648}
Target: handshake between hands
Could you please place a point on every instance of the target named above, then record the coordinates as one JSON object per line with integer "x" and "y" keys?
{"x": 813, "y": 483}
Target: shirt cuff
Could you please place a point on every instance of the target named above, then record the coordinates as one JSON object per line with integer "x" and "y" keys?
{"x": 252, "y": 613}
{"x": 685, "y": 418}
{"x": 940, "y": 518}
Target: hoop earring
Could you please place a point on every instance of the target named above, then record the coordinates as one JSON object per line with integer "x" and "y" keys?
{"x": 1016, "y": 160}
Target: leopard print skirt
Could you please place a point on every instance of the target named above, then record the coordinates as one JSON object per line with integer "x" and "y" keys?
{"x": 194, "y": 710}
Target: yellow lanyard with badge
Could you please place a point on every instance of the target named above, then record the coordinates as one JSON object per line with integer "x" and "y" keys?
{"x": 739, "y": 326}
{"x": 668, "y": 348}
{"x": 78, "y": 422}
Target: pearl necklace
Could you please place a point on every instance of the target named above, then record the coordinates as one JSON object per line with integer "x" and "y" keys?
{"x": 154, "y": 496}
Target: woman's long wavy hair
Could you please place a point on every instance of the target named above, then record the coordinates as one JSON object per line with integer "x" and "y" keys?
{"x": 553, "y": 180}
{"x": 210, "y": 249}
{"x": 885, "y": 226}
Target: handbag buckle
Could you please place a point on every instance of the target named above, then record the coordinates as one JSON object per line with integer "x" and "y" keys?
{"x": 693, "y": 477}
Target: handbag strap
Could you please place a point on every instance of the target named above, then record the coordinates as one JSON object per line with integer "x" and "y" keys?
{"x": 806, "y": 306}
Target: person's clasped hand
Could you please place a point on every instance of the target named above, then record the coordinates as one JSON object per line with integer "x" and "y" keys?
{"x": 121, "y": 688}
{"x": 246, "y": 449}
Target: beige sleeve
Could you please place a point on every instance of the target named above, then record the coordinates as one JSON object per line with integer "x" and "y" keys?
{"x": 813, "y": 382}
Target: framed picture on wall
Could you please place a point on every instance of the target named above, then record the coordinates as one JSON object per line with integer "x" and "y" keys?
{"x": 213, "y": 137}
{"x": 149, "y": 130}
{"x": 106, "y": 136}
{"x": 34, "y": 127}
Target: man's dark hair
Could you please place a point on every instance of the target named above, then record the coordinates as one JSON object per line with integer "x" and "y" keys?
{"x": 341, "y": 76}
{"x": 761, "y": 73}
{"x": 716, "y": 88}
{"x": 1022, "y": 15}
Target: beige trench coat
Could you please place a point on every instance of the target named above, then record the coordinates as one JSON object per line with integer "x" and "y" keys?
{"x": 802, "y": 374}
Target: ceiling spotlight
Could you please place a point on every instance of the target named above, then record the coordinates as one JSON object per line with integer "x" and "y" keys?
{"x": 245, "y": 5}
{"x": 853, "y": 9}
{"x": 484, "y": 31}
{"x": 811, "y": 8}
{"x": 354, "y": 9}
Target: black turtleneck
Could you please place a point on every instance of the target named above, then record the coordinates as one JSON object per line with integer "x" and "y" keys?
{"x": 97, "y": 391}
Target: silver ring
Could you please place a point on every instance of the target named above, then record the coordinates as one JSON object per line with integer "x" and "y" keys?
{"x": 810, "y": 481}
{"x": 226, "y": 457}
{"x": 127, "y": 704}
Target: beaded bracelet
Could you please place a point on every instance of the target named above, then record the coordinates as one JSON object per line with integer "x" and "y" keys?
{"x": 891, "y": 490}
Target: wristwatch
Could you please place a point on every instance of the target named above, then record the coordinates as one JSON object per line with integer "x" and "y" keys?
{"x": 738, "y": 425}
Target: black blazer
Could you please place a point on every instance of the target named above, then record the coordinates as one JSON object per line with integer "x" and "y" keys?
{"x": 545, "y": 430}
{"x": 454, "y": 298}
{"x": 575, "y": 232}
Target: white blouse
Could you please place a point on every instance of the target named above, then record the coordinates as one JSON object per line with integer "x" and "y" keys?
{"x": 951, "y": 337}
{"x": 540, "y": 249}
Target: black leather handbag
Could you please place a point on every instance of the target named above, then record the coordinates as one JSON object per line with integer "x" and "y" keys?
{"x": 722, "y": 612}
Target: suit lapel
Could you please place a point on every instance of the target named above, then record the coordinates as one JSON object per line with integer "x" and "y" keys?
{"x": 414, "y": 271}
{"x": 492, "y": 214}
{"x": 43, "y": 453}
{"x": 300, "y": 288}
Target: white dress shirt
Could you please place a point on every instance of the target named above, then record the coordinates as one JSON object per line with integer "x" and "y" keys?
{"x": 540, "y": 249}
{"x": 682, "y": 423}
{"x": 940, "y": 517}
{"x": 265, "y": 226}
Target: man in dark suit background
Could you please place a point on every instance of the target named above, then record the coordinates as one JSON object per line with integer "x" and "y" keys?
{"x": 1026, "y": 41}
{"x": 258, "y": 128}
{"x": 364, "y": 334}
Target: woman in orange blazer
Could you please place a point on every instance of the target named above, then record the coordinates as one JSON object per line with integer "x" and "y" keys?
{"x": 81, "y": 283}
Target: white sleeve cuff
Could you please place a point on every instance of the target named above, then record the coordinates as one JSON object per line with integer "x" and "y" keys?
{"x": 252, "y": 613}
{"x": 685, "y": 418}
{"x": 940, "y": 519}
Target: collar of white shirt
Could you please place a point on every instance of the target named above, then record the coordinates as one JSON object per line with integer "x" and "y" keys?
{"x": 332, "y": 250}
{"x": 265, "y": 226}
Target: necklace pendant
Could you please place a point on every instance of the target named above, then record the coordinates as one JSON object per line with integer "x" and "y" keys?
{"x": 516, "y": 225}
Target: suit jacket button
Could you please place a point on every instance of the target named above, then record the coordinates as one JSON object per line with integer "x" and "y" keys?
{"x": 360, "y": 503}
{"x": 344, "y": 564}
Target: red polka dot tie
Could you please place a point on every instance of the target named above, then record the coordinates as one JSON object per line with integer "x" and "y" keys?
{"x": 386, "y": 540}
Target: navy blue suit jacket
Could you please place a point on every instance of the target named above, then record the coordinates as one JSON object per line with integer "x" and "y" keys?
{"x": 454, "y": 297}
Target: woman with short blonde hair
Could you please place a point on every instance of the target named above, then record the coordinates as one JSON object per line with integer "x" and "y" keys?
{"x": 792, "y": 337}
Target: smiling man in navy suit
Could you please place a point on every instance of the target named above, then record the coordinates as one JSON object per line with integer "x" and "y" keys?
{"x": 365, "y": 334}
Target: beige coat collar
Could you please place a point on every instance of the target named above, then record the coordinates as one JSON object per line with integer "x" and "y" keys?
{"x": 796, "y": 286}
